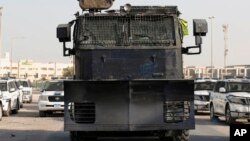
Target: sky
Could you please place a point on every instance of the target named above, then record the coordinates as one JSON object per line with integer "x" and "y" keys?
{"x": 29, "y": 27}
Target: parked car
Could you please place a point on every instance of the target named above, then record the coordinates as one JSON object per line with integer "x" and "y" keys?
{"x": 231, "y": 99}
{"x": 1, "y": 105}
{"x": 10, "y": 98}
{"x": 27, "y": 90}
{"x": 202, "y": 90}
{"x": 52, "y": 98}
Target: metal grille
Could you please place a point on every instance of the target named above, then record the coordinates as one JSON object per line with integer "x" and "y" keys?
{"x": 202, "y": 97}
{"x": 176, "y": 111}
{"x": 56, "y": 98}
{"x": 127, "y": 30}
{"x": 82, "y": 112}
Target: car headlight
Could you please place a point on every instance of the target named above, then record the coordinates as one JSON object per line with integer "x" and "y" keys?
{"x": 237, "y": 100}
{"x": 43, "y": 98}
{"x": 26, "y": 92}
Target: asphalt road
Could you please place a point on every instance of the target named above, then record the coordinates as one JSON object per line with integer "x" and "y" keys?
{"x": 28, "y": 126}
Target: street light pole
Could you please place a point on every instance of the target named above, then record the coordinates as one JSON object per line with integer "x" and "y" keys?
{"x": 225, "y": 30}
{"x": 11, "y": 54}
{"x": 211, "y": 19}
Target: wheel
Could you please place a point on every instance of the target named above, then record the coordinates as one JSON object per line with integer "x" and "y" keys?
{"x": 7, "y": 112}
{"x": 42, "y": 113}
{"x": 15, "y": 111}
{"x": 229, "y": 119}
{"x": 212, "y": 115}
{"x": 181, "y": 135}
{"x": 1, "y": 112}
{"x": 21, "y": 105}
{"x": 195, "y": 112}
{"x": 30, "y": 100}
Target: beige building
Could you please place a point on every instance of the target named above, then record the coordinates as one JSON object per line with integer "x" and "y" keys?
{"x": 31, "y": 70}
{"x": 234, "y": 71}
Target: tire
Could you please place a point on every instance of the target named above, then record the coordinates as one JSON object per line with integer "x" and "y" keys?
{"x": 195, "y": 112}
{"x": 212, "y": 114}
{"x": 15, "y": 111}
{"x": 1, "y": 111}
{"x": 8, "y": 112}
{"x": 21, "y": 105}
{"x": 229, "y": 119}
{"x": 30, "y": 100}
{"x": 42, "y": 113}
{"x": 181, "y": 135}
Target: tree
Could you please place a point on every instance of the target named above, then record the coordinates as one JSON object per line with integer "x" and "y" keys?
{"x": 67, "y": 72}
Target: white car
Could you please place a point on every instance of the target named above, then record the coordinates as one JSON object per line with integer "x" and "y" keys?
{"x": 202, "y": 90}
{"x": 52, "y": 98}
{"x": 27, "y": 90}
{"x": 231, "y": 99}
{"x": 10, "y": 98}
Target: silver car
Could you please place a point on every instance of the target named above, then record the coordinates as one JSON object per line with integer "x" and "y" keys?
{"x": 10, "y": 97}
{"x": 202, "y": 90}
{"x": 27, "y": 90}
{"x": 52, "y": 98}
{"x": 231, "y": 99}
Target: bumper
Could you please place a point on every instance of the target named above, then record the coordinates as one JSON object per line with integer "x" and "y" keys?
{"x": 27, "y": 98}
{"x": 201, "y": 105}
{"x": 50, "y": 106}
{"x": 239, "y": 111}
{"x": 136, "y": 105}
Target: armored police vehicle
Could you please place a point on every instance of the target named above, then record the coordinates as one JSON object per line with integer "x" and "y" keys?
{"x": 128, "y": 72}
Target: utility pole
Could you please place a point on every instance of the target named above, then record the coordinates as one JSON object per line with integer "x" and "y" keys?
{"x": 211, "y": 19}
{"x": 225, "y": 30}
{"x": 11, "y": 52}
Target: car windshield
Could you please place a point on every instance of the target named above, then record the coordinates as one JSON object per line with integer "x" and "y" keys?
{"x": 204, "y": 85}
{"x": 53, "y": 86}
{"x": 239, "y": 87}
{"x": 3, "y": 86}
{"x": 17, "y": 84}
{"x": 24, "y": 83}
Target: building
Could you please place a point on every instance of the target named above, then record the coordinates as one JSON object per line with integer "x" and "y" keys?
{"x": 31, "y": 70}
{"x": 234, "y": 71}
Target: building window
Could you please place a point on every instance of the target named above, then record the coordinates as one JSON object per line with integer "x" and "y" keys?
{"x": 43, "y": 68}
{"x": 51, "y": 69}
{"x": 242, "y": 70}
{"x": 44, "y": 75}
